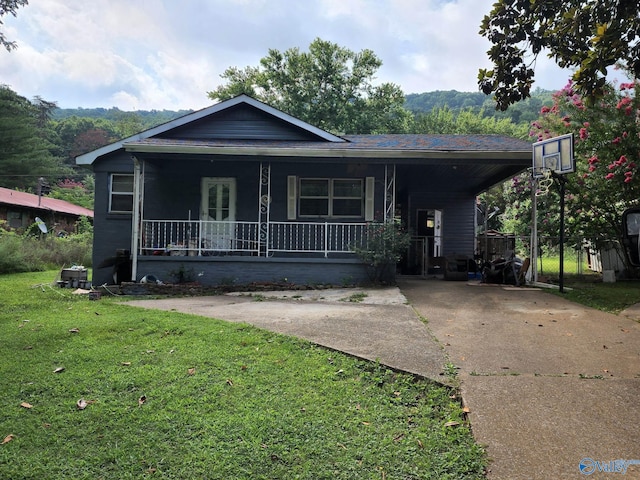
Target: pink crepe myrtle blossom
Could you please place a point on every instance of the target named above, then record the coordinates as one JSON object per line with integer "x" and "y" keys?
{"x": 609, "y": 176}
{"x": 584, "y": 134}
{"x": 623, "y": 102}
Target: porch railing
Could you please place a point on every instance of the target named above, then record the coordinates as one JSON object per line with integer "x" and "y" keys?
{"x": 202, "y": 238}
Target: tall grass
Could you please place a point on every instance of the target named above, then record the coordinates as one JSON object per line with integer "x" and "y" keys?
{"x": 32, "y": 253}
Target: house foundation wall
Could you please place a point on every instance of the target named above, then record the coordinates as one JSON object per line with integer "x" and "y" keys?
{"x": 240, "y": 270}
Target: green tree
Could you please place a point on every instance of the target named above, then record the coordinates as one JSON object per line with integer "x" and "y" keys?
{"x": 77, "y": 192}
{"x": 79, "y": 135}
{"x": 464, "y": 122}
{"x": 329, "y": 86}
{"x": 587, "y": 35}
{"x": 25, "y": 150}
{"x": 9, "y": 7}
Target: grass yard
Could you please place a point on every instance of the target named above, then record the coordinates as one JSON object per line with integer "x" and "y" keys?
{"x": 99, "y": 390}
{"x": 586, "y": 287}
{"x": 608, "y": 297}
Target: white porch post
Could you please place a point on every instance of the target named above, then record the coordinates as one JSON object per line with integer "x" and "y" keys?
{"x": 389, "y": 192}
{"x": 138, "y": 187}
{"x": 264, "y": 209}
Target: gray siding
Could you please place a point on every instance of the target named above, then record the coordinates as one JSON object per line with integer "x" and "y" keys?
{"x": 111, "y": 232}
{"x": 240, "y": 123}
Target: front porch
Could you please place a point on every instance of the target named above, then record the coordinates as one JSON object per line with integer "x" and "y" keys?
{"x": 240, "y": 252}
{"x": 198, "y": 238}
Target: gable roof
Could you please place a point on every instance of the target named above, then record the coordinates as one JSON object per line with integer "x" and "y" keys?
{"x": 89, "y": 157}
{"x": 29, "y": 200}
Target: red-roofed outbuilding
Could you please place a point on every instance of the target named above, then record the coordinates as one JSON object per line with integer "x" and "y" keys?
{"x": 20, "y": 209}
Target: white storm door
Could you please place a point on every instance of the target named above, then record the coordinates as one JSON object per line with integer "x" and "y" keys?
{"x": 218, "y": 205}
{"x": 437, "y": 236}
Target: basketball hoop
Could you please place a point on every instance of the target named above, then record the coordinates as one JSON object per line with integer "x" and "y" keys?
{"x": 552, "y": 158}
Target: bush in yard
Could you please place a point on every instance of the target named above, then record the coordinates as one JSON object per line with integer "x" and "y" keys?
{"x": 385, "y": 245}
{"x": 36, "y": 252}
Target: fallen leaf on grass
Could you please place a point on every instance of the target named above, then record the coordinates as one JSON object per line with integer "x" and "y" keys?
{"x": 59, "y": 370}
{"x": 81, "y": 404}
{"x": 28, "y": 347}
{"x": 142, "y": 399}
{"x": 466, "y": 409}
{"x": 191, "y": 371}
{"x": 420, "y": 444}
{"x": 452, "y": 424}
{"x": 8, "y": 438}
{"x": 74, "y": 330}
{"x": 125, "y": 364}
{"x": 26, "y": 405}
{"x": 229, "y": 382}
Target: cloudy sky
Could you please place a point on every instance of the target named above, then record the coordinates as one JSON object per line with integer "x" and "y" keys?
{"x": 166, "y": 54}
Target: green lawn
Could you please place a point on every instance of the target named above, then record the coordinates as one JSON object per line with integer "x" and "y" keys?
{"x": 177, "y": 396}
{"x": 586, "y": 287}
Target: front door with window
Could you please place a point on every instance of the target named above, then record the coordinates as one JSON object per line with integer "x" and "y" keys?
{"x": 218, "y": 211}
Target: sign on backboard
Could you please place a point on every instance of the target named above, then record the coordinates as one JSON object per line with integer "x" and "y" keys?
{"x": 554, "y": 154}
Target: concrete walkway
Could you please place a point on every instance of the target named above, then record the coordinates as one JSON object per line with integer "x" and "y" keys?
{"x": 548, "y": 383}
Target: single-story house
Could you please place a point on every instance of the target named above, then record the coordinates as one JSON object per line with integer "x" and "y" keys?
{"x": 241, "y": 192}
{"x": 20, "y": 209}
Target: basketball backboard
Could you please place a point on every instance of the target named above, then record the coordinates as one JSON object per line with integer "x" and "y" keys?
{"x": 554, "y": 154}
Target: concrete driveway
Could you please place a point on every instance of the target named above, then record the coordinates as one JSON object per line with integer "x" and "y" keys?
{"x": 551, "y": 385}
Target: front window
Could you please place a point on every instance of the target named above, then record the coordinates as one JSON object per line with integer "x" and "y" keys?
{"x": 324, "y": 197}
{"x": 121, "y": 193}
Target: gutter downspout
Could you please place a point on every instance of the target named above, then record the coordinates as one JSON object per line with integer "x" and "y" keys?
{"x": 135, "y": 227}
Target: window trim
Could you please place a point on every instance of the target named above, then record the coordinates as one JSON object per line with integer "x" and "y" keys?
{"x": 121, "y": 194}
{"x": 331, "y": 198}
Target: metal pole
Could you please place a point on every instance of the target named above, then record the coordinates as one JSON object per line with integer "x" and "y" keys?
{"x": 562, "y": 182}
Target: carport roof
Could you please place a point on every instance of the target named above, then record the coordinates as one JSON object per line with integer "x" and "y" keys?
{"x": 398, "y": 147}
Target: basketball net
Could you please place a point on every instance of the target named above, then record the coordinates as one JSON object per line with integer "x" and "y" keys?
{"x": 544, "y": 182}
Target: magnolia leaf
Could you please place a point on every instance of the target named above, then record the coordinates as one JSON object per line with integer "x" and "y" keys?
{"x": 74, "y": 330}
{"x": 81, "y": 404}
{"x": 420, "y": 444}
{"x": 142, "y": 400}
{"x": 191, "y": 371}
{"x": 452, "y": 424}
{"x": 126, "y": 364}
{"x": 59, "y": 370}
{"x": 8, "y": 438}
{"x": 229, "y": 382}
{"x": 26, "y": 405}
{"x": 466, "y": 409}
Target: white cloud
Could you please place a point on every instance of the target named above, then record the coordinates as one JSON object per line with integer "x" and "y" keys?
{"x": 163, "y": 54}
